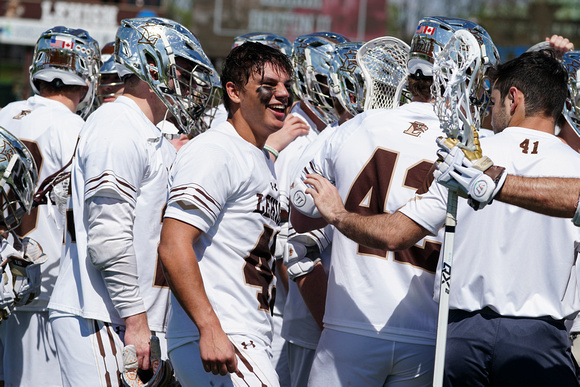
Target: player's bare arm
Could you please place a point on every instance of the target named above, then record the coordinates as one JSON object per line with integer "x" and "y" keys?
{"x": 312, "y": 287}
{"x": 547, "y": 195}
{"x": 293, "y": 127}
{"x": 137, "y": 333}
{"x": 184, "y": 277}
{"x": 392, "y": 232}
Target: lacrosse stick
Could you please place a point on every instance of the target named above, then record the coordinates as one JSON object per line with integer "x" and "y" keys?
{"x": 455, "y": 74}
{"x": 383, "y": 62}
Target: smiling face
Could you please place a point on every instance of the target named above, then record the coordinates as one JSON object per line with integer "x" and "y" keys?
{"x": 265, "y": 100}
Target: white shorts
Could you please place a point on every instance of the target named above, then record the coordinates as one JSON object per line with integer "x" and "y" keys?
{"x": 27, "y": 351}
{"x": 90, "y": 352}
{"x": 280, "y": 352}
{"x": 254, "y": 364}
{"x": 346, "y": 359}
{"x": 300, "y": 362}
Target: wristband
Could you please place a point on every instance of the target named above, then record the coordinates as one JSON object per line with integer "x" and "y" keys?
{"x": 271, "y": 150}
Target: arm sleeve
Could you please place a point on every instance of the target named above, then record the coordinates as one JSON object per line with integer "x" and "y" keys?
{"x": 110, "y": 250}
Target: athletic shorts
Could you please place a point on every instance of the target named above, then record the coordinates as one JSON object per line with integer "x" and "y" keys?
{"x": 346, "y": 359}
{"x": 27, "y": 351}
{"x": 254, "y": 363}
{"x": 90, "y": 352}
{"x": 484, "y": 348}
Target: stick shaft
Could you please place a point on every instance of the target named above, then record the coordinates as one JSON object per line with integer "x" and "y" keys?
{"x": 441, "y": 342}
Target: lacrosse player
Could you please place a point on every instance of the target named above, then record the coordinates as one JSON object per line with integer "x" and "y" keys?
{"x": 219, "y": 228}
{"x": 64, "y": 76}
{"x": 379, "y": 303}
{"x": 501, "y": 331}
{"x": 110, "y": 292}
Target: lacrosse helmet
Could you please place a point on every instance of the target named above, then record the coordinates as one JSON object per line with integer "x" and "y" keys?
{"x": 272, "y": 40}
{"x": 383, "y": 63}
{"x": 110, "y": 84}
{"x": 571, "y": 110}
{"x": 311, "y": 59}
{"x": 346, "y": 81}
{"x": 18, "y": 179}
{"x": 434, "y": 32}
{"x": 149, "y": 47}
{"x": 67, "y": 56}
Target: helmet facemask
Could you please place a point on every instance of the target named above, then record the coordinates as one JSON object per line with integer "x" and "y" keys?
{"x": 571, "y": 110}
{"x": 169, "y": 58}
{"x": 18, "y": 180}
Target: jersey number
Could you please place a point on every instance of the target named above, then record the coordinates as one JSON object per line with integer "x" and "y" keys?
{"x": 368, "y": 196}
{"x": 257, "y": 271}
{"x": 525, "y": 145}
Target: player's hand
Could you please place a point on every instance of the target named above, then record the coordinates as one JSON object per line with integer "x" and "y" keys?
{"x": 218, "y": 355}
{"x": 477, "y": 179}
{"x": 137, "y": 333}
{"x": 326, "y": 197}
{"x": 560, "y": 44}
{"x": 293, "y": 127}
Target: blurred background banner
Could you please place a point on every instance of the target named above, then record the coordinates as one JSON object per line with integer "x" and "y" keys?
{"x": 514, "y": 25}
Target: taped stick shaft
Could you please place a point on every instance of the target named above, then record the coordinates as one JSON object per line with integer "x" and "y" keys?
{"x": 441, "y": 342}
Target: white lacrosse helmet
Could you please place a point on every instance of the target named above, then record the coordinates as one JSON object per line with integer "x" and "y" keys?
{"x": 67, "y": 57}
{"x": 148, "y": 48}
{"x": 272, "y": 40}
{"x": 571, "y": 110}
{"x": 383, "y": 63}
{"x": 311, "y": 57}
{"x": 346, "y": 81}
{"x": 18, "y": 179}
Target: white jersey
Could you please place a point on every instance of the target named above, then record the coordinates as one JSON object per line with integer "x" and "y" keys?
{"x": 50, "y": 130}
{"x": 235, "y": 203}
{"x": 120, "y": 155}
{"x": 515, "y": 261}
{"x": 377, "y": 160}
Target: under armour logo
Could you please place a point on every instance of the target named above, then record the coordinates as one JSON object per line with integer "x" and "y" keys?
{"x": 23, "y": 113}
{"x": 248, "y": 345}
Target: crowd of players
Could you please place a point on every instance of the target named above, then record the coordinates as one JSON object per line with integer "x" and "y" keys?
{"x": 281, "y": 224}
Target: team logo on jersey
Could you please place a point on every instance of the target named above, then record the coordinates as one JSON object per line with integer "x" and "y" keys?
{"x": 416, "y": 129}
{"x": 269, "y": 207}
{"x": 23, "y": 113}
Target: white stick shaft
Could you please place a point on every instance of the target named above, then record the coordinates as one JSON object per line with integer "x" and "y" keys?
{"x": 441, "y": 342}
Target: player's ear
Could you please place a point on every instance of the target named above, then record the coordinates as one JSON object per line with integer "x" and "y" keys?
{"x": 514, "y": 97}
{"x": 233, "y": 92}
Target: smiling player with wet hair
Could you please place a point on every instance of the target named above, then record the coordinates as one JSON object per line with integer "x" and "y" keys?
{"x": 219, "y": 228}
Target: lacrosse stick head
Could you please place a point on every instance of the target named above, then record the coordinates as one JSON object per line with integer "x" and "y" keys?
{"x": 346, "y": 81}
{"x": 311, "y": 57}
{"x": 276, "y": 41}
{"x": 458, "y": 74}
{"x": 383, "y": 63}
{"x": 571, "y": 110}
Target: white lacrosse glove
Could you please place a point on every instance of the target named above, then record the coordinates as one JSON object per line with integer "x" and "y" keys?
{"x": 26, "y": 272}
{"x": 160, "y": 372}
{"x": 302, "y": 201}
{"x": 6, "y": 294}
{"x": 281, "y": 240}
{"x": 480, "y": 180}
{"x": 300, "y": 256}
